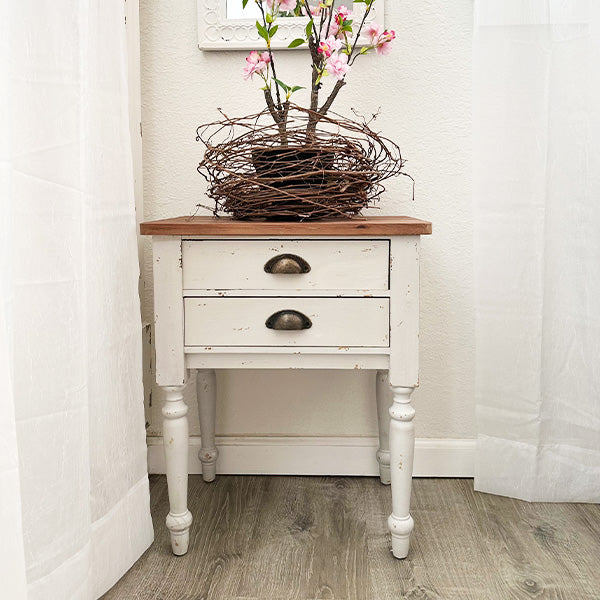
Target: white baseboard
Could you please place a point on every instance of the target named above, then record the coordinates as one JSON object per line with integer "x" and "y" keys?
{"x": 320, "y": 456}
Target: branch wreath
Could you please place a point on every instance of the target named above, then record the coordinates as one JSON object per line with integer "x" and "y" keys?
{"x": 337, "y": 174}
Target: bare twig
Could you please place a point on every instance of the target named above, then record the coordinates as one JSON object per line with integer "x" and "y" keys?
{"x": 364, "y": 119}
{"x": 271, "y": 106}
{"x": 331, "y": 11}
{"x": 362, "y": 24}
{"x": 336, "y": 90}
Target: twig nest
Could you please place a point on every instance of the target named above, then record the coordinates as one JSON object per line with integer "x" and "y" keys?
{"x": 310, "y": 167}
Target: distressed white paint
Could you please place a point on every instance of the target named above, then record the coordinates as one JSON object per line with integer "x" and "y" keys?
{"x": 402, "y": 443}
{"x": 168, "y": 311}
{"x": 238, "y": 264}
{"x": 424, "y": 91}
{"x": 339, "y": 323}
{"x": 206, "y": 392}
{"x": 336, "y": 322}
{"x": 302, "y": 358}
{"x": 384, "y": 401}
{"x": 175, "y": 443}
{"x": 283, "y": 350}
{"x": 404, "y": 311}
{"x": 364, "y": 293}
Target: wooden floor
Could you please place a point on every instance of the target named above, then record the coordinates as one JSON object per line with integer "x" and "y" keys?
{"x": 300, "y": 538}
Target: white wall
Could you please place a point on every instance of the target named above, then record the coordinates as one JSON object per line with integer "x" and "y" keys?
{"x": 424, "y": 91}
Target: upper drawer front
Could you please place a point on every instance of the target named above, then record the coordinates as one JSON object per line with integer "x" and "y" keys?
{"x": 240, "y": 264}
{"x": 336, "y": 322}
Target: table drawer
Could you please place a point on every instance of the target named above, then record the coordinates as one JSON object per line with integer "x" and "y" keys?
{"x": 328, "y": 264}
{"x": 356, "y": 322}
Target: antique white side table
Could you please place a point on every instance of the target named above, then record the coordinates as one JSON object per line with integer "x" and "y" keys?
{"x": 338, "y": 294}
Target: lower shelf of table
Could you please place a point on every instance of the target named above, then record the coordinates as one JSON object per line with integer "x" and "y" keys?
{"x": 292, "y": 359}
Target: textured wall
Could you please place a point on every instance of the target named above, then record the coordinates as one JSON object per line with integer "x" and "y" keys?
{"x": 424, "y": 91}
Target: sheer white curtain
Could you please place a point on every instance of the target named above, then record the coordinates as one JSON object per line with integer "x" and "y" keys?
{"x": 537, "y": 199}
{"x": 74, "y": 499}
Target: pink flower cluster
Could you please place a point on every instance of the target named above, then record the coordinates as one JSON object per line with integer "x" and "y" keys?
{"x": 336, "y": 62}
{"x": 283, "y": 5}
{"x": 334, "y": 46}
{"x": 329, "y": 46}
{"x": 380, "y": 40}
{"x": 343, "y": 14}
{"x": 256, "y": 63}
{"x": 340, "y": 16}
{"x": 337, "y": 65}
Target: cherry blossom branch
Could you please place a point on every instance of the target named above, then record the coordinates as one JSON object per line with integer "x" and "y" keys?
{"x": 331, "y": 11}
{"x": 313, "y": 45}
{"x": 330, "y": 54}
{"x": 362, "y": 24}
{"x": 342, "y": 82}
{"x": 277, "y": 117}
{"x": 336, "y": 90}
{"x": 315, "y": 34}
{"x": 267, "y": 26}
{"x": 271, "y": 105}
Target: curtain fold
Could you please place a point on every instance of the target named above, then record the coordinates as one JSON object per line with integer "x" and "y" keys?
{"x": 537, "y": 248}
{"x": 69, "y": 290}
{"x": 12, "y": 554}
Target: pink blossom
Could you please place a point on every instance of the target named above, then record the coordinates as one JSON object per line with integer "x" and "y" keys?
{"x": 329, "y": 46}
{"x": 337, "y": 65}
{"x": 253, "y": 57}
{"x": 284, "y": 5}
{"x": 344, "y": 13}
{"x": 384, "y": 43}
{"x": 256, "y": 63}
{"x": 334, "y": 29}
{"x": 373, "y": 32}
{"x": 380, "y": 40}
{"x": 315, "y": 11}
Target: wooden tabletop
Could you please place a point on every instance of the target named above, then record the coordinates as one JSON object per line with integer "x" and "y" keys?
{"x": 228, "y": 226}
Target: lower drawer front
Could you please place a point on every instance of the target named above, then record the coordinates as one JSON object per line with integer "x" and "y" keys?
{"x": 362, "y": 322}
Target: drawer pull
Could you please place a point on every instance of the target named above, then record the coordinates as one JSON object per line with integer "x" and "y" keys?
{"x": 287, "y": 264}
{"x": 289, "y": 320}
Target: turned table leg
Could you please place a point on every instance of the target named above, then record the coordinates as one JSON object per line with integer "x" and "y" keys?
{"x": 206, "y": 393}
{"x": 402, "y": 441}
{"x": 175, "y": 436}
{"x": 384, "y": 401}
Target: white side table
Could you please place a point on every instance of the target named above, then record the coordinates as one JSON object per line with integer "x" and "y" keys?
{"x": 340, "y": 294}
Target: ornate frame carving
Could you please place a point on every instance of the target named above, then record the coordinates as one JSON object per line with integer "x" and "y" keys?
{"x": 217, "y": 32}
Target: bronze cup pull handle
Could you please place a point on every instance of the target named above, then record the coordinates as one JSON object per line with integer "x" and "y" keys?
{"x": 287, "y": 264}
{"x": 288, "y": 320}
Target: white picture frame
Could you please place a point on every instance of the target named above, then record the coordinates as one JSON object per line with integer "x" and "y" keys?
{"x": 217, "y": 32}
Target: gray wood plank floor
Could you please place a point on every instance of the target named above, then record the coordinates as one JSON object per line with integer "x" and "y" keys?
{"x": 324, "y": 538}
